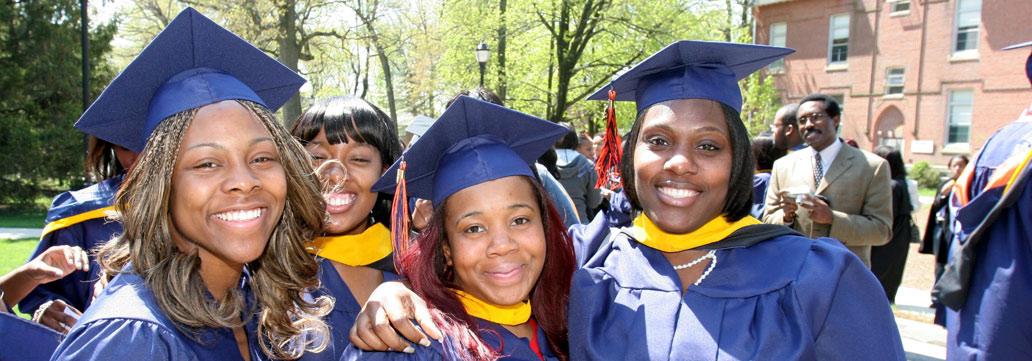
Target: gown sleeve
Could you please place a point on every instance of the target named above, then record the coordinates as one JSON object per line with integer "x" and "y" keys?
{"x": 851, "y": 318}
{"x": 25, "y": 340}
{"x": 122, "y": 339}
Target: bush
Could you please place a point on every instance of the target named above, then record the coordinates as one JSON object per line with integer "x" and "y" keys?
{"x": 925, "y": 175}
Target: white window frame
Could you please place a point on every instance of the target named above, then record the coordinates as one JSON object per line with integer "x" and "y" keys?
{"x": 778, "y": 37}
{"x": 894, "y": 3}
{"x": 955, "y": 111}
{"x": 895, "y": 81}
{"x": 961, "y": 15}
{"x": 831, "y": 38}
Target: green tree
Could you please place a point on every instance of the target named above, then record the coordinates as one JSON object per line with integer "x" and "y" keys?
{"x": 40, "y": 94}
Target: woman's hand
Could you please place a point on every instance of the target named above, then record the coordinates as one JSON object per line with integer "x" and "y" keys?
{"x": 390, "y": 310}
{"x": 57, "y": 315}
{"x": 55, "y": 263}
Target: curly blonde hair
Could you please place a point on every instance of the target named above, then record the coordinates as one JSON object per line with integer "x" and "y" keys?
{"x": 287, "y": 321}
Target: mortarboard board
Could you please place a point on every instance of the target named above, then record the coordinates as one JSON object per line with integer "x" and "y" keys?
{"x": 692, "y": 70}
{"x": 1028, "y": 63}
{"x": 471, "y": 143}
{"x": 193, "y": 62}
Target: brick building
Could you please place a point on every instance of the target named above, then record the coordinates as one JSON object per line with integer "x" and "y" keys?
{"x": 925, "y": 76}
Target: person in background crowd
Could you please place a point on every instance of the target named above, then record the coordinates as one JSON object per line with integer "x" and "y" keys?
{"x": 596, "y": 142}
{"x": 988, "y": 280}
{"x": 939, "y": 227}
{"x": 80, "y": 219}
{"x": 843, "y": 192}
{"x": 351, "y": 143}
{"x": 577, "y": 175}
{"x": 888, "y": 261}
{"x": 586, "y": 147}
{"x": 217, "y": 210}
{"x": 765, "y": 152}
{"x": 785, "y": 129}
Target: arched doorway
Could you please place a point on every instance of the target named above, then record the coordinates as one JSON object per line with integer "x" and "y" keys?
{"x": 890, "y": 129}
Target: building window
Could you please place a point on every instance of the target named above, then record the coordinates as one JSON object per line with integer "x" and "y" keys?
{"x": 778, "y": 37}
{"x": 894, "y": 81}
{"x": 838, "y": 39}
{"x": 969, "y": 17}
{"x": 899, "y": 6}
{"x": 960, "y": 105}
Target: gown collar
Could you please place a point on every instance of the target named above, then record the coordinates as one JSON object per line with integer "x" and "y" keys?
{"x": 717, "y": 229}
{"x": 362, "y": 249}
{"x": 517, "y": 314}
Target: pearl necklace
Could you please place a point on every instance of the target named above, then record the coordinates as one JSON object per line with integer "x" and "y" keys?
{"x": 712, "y": 254}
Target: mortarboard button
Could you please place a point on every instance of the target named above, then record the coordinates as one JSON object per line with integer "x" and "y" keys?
{"x": 193, "y": 62}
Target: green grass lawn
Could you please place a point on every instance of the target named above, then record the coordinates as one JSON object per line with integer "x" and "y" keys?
{"x": 32, "y": 218}
{"x": 14, "y": 253}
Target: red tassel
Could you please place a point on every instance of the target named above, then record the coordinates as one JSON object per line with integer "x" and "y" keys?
{"x": 399, "y": 216}
{"x": 608, "y": 163}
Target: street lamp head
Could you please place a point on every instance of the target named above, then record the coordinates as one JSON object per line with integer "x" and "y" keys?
{"x": 482, "y": 52}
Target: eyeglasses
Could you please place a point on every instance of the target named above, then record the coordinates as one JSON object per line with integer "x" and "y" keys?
{"x": 812, "y": 117}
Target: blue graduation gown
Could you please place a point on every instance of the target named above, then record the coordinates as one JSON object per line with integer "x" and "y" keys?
{"x": 783, "y": 298}
{"x": 25, "y": 340}
{"x": 76, "y": 289}
{"x": 994, "y": 323}
{"x": 513, "y": 348}
{"x": 345, "y": 309}
{"x": 760, "y": 183}
{"x": 125, "y": 323}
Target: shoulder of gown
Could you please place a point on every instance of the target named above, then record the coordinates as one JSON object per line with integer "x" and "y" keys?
{"x": 124, "y": 322}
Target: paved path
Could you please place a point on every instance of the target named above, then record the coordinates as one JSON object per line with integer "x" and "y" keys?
{"x": 16, "y": 233}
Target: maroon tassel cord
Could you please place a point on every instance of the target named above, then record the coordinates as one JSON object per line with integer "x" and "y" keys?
{"x": 608, "y": 163}
{"x": 399, "y": 216}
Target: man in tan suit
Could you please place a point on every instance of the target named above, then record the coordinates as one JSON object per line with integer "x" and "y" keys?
{"x": 831, "y": 189}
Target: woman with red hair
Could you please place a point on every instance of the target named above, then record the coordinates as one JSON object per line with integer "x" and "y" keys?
{"x": 495, "y": 262}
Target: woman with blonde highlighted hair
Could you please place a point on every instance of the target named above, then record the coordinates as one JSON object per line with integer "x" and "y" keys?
{"x": 217, "y": 210}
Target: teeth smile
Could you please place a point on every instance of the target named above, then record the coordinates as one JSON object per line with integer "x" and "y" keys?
{"x": 678, "y": 192}
{"x": 337, "y": 199}
{"x": 240, "y": 216}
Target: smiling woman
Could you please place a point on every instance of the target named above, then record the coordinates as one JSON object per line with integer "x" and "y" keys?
{"x": 216, "y": 211}
{"x": 495, "y": 261}
{"x": 351, "y": 142}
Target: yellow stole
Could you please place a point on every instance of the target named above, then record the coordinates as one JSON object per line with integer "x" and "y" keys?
{"x": 362, "y": 249}
{"x": 517, "y": 314}
{"x": 648, "y": 234}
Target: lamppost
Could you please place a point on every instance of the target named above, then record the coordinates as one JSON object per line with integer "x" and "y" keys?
{"x": 482, "y": 54}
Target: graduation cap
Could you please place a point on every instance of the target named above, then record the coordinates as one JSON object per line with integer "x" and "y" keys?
{"x": 471, "y": 143}
{"x": 683, "y": 70}
{"x": 193, "y": 62}
{"x": 1028, "y": 63}
{"x": 692, "y": 70}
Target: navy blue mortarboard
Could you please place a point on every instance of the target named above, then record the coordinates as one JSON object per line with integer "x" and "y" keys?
{"x": 692, "y": 70}
{"x": 471, "y": 143}
{"x": 193, "y": 62}
{"x": 1028, "y": 62}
